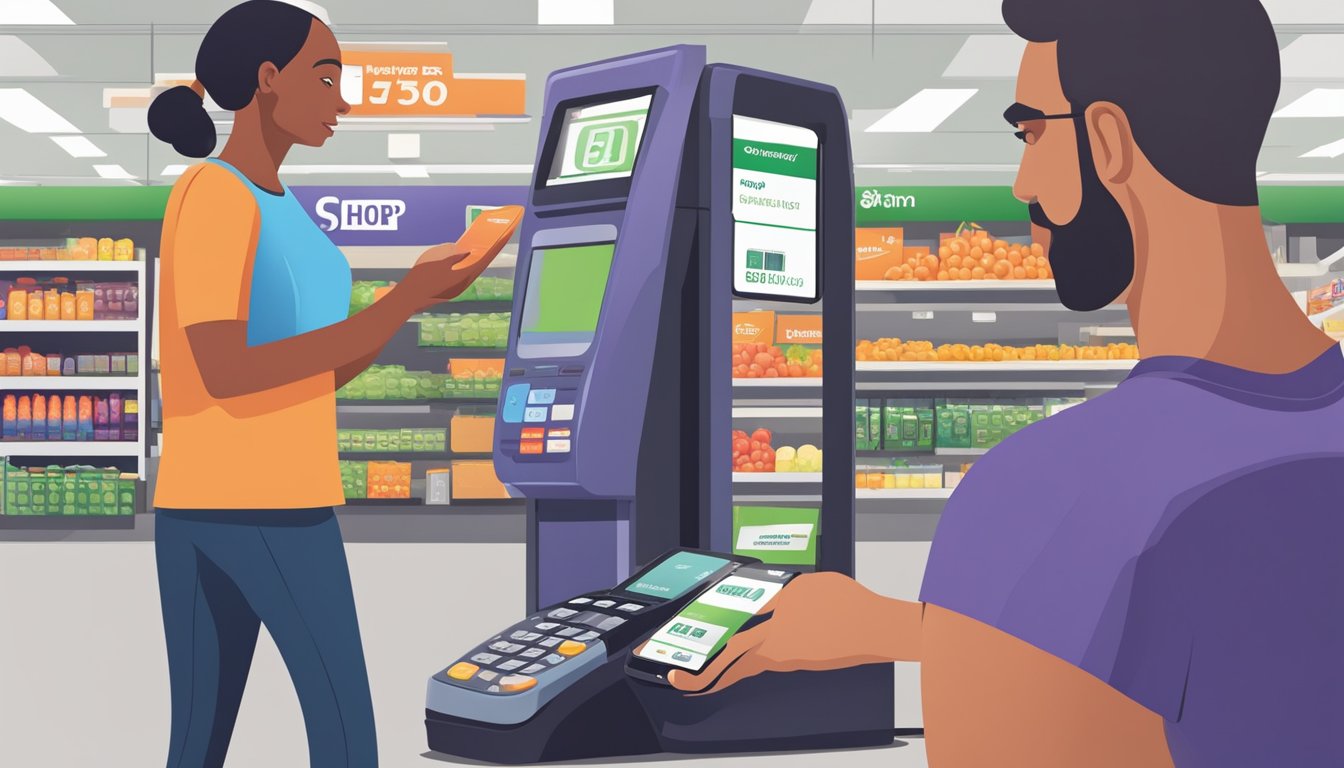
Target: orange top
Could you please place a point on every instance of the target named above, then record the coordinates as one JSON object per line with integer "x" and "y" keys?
{"x": 274, "y": 449}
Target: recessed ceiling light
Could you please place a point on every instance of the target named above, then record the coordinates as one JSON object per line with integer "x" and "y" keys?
{"x": 18, "y": 12}
{"x": 1331, "y": 150}
{"x": 78, "y": 146}
{"x": 113, "y": 172}
{"x": 924, "y": 111}
{"x": 18, "y": 59}
{"x": 26, "y": 112}
{"x": 1318, "y": 102}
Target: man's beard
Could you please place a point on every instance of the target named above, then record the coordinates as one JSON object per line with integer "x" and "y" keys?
{"x": 1092, "y": 256}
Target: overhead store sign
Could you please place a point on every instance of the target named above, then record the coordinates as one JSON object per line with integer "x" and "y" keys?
{"x": 415, "y": 83}
{"x": 416, "y": 215}
{"x": 877, "y": 206}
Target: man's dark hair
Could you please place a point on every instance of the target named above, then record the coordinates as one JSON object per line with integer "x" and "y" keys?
{"x": 1199, "y": 79}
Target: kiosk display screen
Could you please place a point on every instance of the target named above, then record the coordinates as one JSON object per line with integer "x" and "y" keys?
{"x": 600, "y": 141}
{"x": 566, "y": 286}
{"x": 675, "y": 576}
{"x": 775, "y": 209}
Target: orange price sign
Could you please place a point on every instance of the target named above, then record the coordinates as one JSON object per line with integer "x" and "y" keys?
{"x": 415, "y": 83}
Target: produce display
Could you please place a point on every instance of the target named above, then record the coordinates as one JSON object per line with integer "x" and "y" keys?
{"x": 972, "y": 254}
{"x": 52, "y": 417}
{"x": 764, "y": 361}
{"x": 78, "y": 490}
{"x": 74, "y": 249}
{"x": 22, "y": 361}
{"x": 392, "y": 440}
{"x": 59, "y": 299}
{"x": 394, "y": 382}
{"x": 753, "y": 453}
{"x": 805, "y": 458}
{"x": 376, "y": 479}
{"x": 471, "y": 331}
{"x": 899, "y": 475}
{"x": 920, "y": 426}
{"x": 364, "y": 292}
{"x": 896, "y": 350}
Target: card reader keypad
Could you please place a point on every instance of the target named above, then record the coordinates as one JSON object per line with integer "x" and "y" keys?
{"x": 507, "y": 663}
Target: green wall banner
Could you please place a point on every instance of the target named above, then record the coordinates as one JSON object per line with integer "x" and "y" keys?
{"x": 83, "y": 203}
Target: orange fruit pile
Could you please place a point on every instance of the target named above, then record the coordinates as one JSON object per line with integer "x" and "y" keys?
{"x": 763, "y": 361}
{"x": 976, "y": 256}
{"x": 895, "y": 350}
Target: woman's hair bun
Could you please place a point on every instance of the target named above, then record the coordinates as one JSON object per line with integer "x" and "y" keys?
{"x": 178, "y": 117}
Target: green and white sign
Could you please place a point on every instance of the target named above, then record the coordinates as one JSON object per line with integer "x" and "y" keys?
{"x": 774, "y": 209}
{"x": 776, "y": 535}
{"x": 600, "y": 141}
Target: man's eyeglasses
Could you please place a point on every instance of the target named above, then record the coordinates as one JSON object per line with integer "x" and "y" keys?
{"x": 1031, "y": 122}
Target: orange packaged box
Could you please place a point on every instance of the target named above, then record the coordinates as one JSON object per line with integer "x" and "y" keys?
{"x": 469, "y": 367}
{"x": 389, "y": 480}
{"x": 476, "y": 479}
{"x": 753, "y": 327}
{"x": 471, "y": 432}
{"x": 877, "y": 250}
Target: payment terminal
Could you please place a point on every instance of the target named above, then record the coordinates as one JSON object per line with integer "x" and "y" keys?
{"x": 486, "y": 704}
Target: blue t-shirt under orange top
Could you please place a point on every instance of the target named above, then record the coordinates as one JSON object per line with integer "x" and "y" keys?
{"x": 1181, "y": 539}
{"x": 300, "y": 280}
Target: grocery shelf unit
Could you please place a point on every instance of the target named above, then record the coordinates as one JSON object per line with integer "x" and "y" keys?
{"x": 83, "y": 337}
{"x": 413, "y": 519}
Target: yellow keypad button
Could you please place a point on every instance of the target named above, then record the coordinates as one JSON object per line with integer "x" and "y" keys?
{"x": 571, "y": 648}
{"x": 463, "y": 670}
{"x": 516, "y": 683}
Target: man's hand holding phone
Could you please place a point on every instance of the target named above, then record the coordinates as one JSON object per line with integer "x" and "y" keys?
{"x": 818, "y": 621}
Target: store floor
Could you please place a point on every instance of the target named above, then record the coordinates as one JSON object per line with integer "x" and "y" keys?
{"x": 84, "y": 681}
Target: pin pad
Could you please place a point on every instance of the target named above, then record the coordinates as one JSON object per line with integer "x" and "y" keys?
{"x": 510, "y": 676}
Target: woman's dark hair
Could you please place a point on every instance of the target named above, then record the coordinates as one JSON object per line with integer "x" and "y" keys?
{"x": 236, "y": 46}
{"x": 1198, "y": 79}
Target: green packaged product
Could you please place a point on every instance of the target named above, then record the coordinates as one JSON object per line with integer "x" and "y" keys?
{"x": 979, "y": 427}
{"x": 37, "y": 486}
{"x": 126, "y": 495}
{"x": 860, "y": 425}
{"x": 926, "y": 424}
{"x": 382, "y": 442}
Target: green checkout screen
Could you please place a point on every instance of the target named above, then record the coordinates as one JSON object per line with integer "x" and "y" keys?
{"x": 566, "y": 287}
{"x": 675, "y": 575}
{"x": 704, "y": 627}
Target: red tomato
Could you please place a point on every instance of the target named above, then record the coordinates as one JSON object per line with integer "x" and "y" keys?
{"x": 762, "y": 436}
{"x": 764, "y": 360}
{"x": 741, "y": 445}
{"x": 756, "y": 369}
{"x": 740, "y": 371}
{"x": 760, "y": 466}
{"x": 757, "y": 455}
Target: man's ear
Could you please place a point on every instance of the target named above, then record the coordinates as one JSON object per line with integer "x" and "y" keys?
{"x": 1112, "y": 142}
{"x": 266, "y": 75}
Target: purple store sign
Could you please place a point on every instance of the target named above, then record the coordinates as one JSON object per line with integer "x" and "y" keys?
{"x": 414, "y": 215}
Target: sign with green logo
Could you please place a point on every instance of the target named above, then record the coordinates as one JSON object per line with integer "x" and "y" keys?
{"x": 600, "y": 141}
{"x": 774, "y": 209}
{"x": 777, "y": 535}
{"x": 606, "y": 147}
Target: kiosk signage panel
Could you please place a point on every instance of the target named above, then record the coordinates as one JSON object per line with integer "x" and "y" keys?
{"x": 775, "y": 206}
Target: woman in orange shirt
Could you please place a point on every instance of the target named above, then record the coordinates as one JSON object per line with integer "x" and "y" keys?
{"x": 255, "y": 342}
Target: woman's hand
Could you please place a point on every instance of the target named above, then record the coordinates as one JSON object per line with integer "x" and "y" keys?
{"x": 819, "y": 621}
{"x": 434, "y": 280}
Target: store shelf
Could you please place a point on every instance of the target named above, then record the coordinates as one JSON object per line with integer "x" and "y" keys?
{"x": 71, "y": 448}
{"x": 783, "y": 383}
{"x": 903, "y": 494}
{"x": 410, "y": 455}
{"x": 777, "y": 478}
{"x": 399, "y": 503}
{"x": 70, "y": 326}
{"x": 777, "y": 413}
{"x": 134, "y": 267}
{"x": 71, "y": 383}
{"x": 409, "y": 406}
{"x": 960, "y": 451}
{"x": 955, "y": 286}
{"x": 1319, "y": 318}
{"x": 1024, "y": 366}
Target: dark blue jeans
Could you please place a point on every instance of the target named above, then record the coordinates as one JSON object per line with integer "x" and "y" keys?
{"x": 222, "y": 573}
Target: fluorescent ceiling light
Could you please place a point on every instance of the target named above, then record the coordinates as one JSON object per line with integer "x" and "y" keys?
{"x": 113, "y": 172}
{"x": 1313, "y": 57}
{"x": 437, "y": 170}
{"x": 576, "y": 12}
{"x": 177, "y": 169}
{"x": 988, "y": 56}
{"x": 1319, "y": 102}
{"x": 924, "y": 111}
{"x": 413, "y": 172}
{"x": 1331, "y": 151}
{"x": 78, "y": 146}
{"x": 18, "y": 12}
{"x": 18, "y": 59}
{"x": 26, "y": 112}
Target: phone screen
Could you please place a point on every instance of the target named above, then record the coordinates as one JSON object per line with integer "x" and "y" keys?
{"x": 704, "y": 627}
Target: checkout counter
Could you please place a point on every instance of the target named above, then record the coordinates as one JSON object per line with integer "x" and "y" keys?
{"x": 663, "y": 189}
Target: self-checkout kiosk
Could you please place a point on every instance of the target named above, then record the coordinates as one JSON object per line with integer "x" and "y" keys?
{"x": 663, "y": 187}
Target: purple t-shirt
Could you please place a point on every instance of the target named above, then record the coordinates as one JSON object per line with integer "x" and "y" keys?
{"x": 1182, "y": 539}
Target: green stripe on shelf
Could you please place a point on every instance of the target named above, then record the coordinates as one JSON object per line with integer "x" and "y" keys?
{"x": 83, "y": 203}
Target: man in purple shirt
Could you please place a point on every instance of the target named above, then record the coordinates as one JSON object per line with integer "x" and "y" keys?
{"x": 1153, "y": 578}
